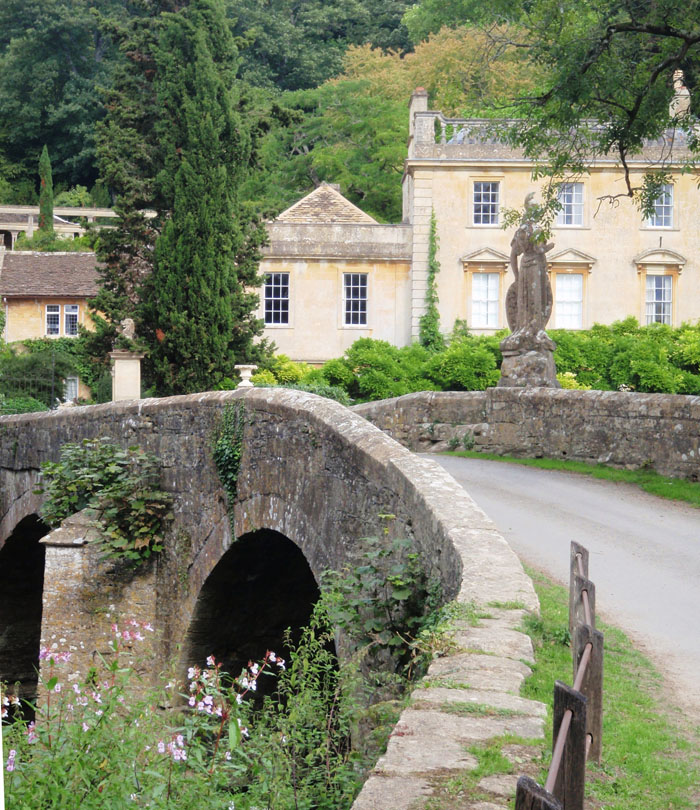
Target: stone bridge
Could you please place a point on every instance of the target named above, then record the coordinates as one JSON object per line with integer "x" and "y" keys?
{"x": 314, "y": 478}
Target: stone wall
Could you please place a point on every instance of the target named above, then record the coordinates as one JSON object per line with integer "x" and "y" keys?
{"x": 627, "y": 430}
{"x": 320, "y": 475}
{"x": 311, "y": 470}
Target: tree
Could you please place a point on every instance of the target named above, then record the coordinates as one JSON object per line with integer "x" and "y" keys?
{"x": 177, "y": 139}
{"x": 53, "y": 60}
{"x": 605, "y": 73}
{"x": 197, "y": 307}
{"x": 45, "y": 193}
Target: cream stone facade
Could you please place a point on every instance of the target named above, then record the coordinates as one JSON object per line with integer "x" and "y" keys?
{"x": 607, "y": 263}
{"x": 333, "y": 275}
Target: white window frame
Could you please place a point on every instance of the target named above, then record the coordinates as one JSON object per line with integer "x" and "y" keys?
{"x": 560, "y": 303}
{"x": 71, "y": 389}
{"x": 571, "y": 200}
{"x": 279, "y": 304}
{"x": 355, "y": 306}
{"x": 663, "y": 208}
{"x": 70, "y": 310}
{"x": 53, "y": 310}
{"x": 485, "y": 304}
{"x": 655, "y": 306}
{"x": 486, "y": 202}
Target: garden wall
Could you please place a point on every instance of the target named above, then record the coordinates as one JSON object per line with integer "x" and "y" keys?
{"x": 627, "y": 430}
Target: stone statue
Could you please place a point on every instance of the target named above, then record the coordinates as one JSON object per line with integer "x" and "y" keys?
{"x": 127, "y": 328}
{"x": 527, "y": 351}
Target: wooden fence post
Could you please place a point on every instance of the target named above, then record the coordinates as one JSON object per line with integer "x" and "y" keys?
{"x": 579, "y": 585}
{"x": 571, "y": 778}
{"x": 592, "y": 684}
{"x": 574, "y": 571}
{"x": 531, "y": 796}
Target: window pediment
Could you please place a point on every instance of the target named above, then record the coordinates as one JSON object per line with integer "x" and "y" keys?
{"x": 572, "y": 258}
{"x": 486, "y": 257}
{"x": 660, "y": 257}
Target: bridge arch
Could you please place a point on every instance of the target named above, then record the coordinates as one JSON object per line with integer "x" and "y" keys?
{"x": 21, "y": 589}
{"x": 260, "y": 587}
{"x": 310, "y": 470}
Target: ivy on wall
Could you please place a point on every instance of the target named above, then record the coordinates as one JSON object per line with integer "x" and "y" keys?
{"x": 429, "y": 327}
{"x": 228, "y": 448}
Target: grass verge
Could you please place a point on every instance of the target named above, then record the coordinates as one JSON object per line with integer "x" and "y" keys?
{"x": 676, "y": 489}
{"x": 649, "y": 762}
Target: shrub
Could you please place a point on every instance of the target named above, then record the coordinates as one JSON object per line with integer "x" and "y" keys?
{"x": 119, "y": 486}
{"x": 464, "y": 366}
{"x": 567, "y": 379}
{"x": 10, "y": 405}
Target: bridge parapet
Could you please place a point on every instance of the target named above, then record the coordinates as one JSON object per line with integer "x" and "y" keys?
{"x": 320, "y": 475}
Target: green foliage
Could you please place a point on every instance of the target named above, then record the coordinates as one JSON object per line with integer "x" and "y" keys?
{"x": 294, "y": 46}
{"x": 606, "y": 85}
{"x": 178, "y": 138}
{"x": 307, "y": 726}
{"x": 71, "y": 356}
{"x": 626, "y": 356}
{"x": 45, "y": 193}
{"x": 51, "y": 242}
{"x": 386, "y": 601}
{"x": 19, "y": 404}
{"x": 340, "y": 132}
{"x": 227, "y": 448}
{"x": 77, "y": 197}
{"x": 429, "y": 16}
{"x": 119, "y": 486}
{"x": 39, "y": 371}
{"x": 53, "y": 60}
{"x": 464, "y": 366}
{"x": 196, "y": 309}
{"x": 429, "y": 329}
{"x": 567, "y": 379}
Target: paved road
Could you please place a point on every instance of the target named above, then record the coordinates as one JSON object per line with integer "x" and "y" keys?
{"x": 644, "y": 551}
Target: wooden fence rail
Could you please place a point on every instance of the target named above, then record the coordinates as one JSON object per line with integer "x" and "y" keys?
{"x": 578, "y": 710}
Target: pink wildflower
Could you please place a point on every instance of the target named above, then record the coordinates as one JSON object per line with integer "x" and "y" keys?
{"x": 11, "y": 760}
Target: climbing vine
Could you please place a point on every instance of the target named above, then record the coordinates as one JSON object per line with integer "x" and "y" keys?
{"x": 429, "y": 328}
{"x": 228, "y": 447}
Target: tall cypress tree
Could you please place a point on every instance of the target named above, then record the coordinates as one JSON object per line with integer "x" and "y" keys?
{"x": 175, "y": 140}
{"x": 45, "y": 193}
{"x": 197, "y": 306}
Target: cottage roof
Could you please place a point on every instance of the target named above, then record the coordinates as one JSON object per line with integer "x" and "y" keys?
{"x": 325, "y": 204}
{"x": 47, "y": 275}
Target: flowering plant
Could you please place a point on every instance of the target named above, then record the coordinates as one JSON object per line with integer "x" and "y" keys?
{"x": 102, "y": 741}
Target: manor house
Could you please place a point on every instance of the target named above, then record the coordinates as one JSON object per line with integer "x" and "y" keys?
{"x": 333, "y": 274}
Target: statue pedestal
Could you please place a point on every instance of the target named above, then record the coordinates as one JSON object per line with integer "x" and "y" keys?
{"x": 126, "y": 375}
{"x": 531, "y": 369}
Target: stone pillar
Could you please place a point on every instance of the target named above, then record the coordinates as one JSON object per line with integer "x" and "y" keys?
{"x": 85, "y": 593}
{"x": 126, "y": 375}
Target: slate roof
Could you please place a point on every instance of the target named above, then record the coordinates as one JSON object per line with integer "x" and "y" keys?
{"x": 47, "y": 275}
{"x": 325, "y": 204}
